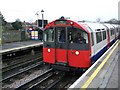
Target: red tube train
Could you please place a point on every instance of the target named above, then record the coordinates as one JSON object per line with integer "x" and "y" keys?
{"x": 76, "y": 45}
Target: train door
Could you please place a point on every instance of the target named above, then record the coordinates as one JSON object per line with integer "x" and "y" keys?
{"x": 55, "y": 45}
{"x": 61, "y": 45}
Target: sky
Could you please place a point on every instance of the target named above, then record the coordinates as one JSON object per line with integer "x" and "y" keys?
{"x": 77, "y": 10}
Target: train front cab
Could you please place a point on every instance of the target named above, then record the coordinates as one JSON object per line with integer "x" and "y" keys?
{"x": 61, "y": 48}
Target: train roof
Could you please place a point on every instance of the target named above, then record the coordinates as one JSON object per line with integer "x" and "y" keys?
{"x": 87, "y": 26}
{"x": 115, "y": 25}
{"x": 108, "y": 25}
{"x": 94, "y": 26}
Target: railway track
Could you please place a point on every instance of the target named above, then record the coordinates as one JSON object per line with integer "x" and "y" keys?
{"x": 27, "y": 73}
{"x": 66, "y": 82}
{"x": 50, "y": 80}
{"x": 31, "y": 73}
{"x": 19, "y": 70}
{"x": 19, "y": 61}
{"x": 45, "y": 80}
{"x": 20, "y": 66}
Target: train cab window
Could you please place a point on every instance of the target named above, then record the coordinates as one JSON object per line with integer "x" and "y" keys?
{"x": 99, "y": 37}
{"x": 49, "y": 35}
{"x": 61, "y": 34}
{"x": 92, "y": 39}
{"x": 78, "y": 36}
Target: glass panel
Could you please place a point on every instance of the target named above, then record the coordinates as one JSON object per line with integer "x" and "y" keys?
{"x": 61, "y": 34}
{"x": 77, "y": 36}
{"x": 112, "y": 31}
{"x": 99, "y": 37}
{"x": 92, "y": 39}
{"x": 104, "y": 35}
{"x": 49, "y": 35}
{"x": 117, "y": 29}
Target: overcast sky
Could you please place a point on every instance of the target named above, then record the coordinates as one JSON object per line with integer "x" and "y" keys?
{"x": 75, "y": 9}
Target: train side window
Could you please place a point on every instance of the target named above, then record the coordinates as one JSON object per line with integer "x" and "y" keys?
{"x": 104, "y": 35}
{"x": 117, "y": 30}
{"x": 99, "y": 37}
{"x": 49, "y": 35}
{"x": 113, "y": 31}
{"x": 110, "y": 32}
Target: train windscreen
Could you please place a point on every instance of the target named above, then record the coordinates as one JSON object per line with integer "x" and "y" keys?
{"x": 77, "y": 36}
{"x": 66, "y": 37}
{"x": 49, "y": 35}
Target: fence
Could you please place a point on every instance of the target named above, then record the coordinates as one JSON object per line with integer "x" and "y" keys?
{"x": 13, "y": 36}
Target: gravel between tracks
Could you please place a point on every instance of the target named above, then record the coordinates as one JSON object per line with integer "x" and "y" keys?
{"x": 26, "y": 79}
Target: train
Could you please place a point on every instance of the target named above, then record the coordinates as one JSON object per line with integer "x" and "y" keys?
{"x": 71, "y": 45}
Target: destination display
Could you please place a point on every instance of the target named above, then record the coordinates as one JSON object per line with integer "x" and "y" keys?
{"x": 61, "y": 22}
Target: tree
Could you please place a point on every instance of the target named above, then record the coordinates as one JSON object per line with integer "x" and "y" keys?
{"x": 17, "y": 24}
{"x": 3, "y": 22}
{"x": 113, "y": 21}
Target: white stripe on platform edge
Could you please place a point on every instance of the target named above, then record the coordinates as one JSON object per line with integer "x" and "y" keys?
{"x": 20, "y": 47}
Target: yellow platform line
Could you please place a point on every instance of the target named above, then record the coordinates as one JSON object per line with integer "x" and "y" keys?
{"x": 87, "y": 83}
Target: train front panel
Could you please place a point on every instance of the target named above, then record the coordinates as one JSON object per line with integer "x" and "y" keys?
{"x": 66, "y": 44}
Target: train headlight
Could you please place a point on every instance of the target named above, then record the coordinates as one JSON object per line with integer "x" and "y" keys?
{"x": 77, "y": 53}
{"x": 48, "y": 50}
{"x": 71, "y": 23}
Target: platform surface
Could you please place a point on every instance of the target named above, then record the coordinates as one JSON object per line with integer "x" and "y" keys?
{"x": 19, "y": 45}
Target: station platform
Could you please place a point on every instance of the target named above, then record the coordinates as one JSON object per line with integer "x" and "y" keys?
{"x": 103, "y": 74}
{"x": 9, "y": 47}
